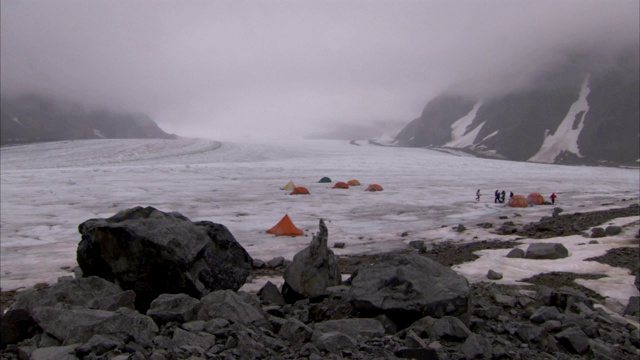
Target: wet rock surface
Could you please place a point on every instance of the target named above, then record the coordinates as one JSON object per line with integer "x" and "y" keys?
{"x": 549, "y": 317}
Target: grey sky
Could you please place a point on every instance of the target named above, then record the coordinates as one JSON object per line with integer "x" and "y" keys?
{"x": 270, "y": 68}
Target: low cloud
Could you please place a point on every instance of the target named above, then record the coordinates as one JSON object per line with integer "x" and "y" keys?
{"x": 253, "y": 68}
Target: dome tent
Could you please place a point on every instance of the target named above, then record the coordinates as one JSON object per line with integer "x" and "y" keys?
{"x": 374, "y": 187}
{"x": 353, "y": 182}
{"x": 535, "y": 199}
{"x": 325, "y": 180}
{"x": 518, "y": 201}
{"x": 290, "y": 186}
{"x": 300, "y": 190}
{"x": 285, "y": 227}
{"x": 340, "y": 185}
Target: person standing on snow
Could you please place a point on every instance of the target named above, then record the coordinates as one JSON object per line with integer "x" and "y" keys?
{"x": 502, "y": 195}
{"x": 496, "y": 197}
{"x": 478, "y": 195}
{"x": 553, "y": 198}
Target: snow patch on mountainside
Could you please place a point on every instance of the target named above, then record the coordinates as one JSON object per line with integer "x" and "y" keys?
{"x": 459, "y": 128}
{"x": 566, "y": 136}
{"x": 16, "y": 120}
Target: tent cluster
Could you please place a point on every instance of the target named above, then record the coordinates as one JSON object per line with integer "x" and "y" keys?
{"x": 286, "y": 227}
{"x": 520, "y": 201}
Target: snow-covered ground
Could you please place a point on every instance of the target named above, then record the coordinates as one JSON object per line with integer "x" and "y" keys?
{"x": 48, "y": 189}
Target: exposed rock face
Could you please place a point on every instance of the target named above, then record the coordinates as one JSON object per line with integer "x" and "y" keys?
{"x": 35, "y": 118}
{"x": 407, "y": 287}
{"x": 592, "y": 103}
{"x": 152, "y": 252}
{"x": 312, "y": 270}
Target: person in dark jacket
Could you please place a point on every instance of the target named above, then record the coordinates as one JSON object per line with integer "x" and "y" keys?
{"x": 553, "y": 198}
{"x": 496, "y": 197}
{"x": 502, "y": 195}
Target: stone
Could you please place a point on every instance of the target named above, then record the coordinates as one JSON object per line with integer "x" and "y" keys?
{"x": 547, "y": 251}
{"x": 295, "y": 331}
{"x": 407, "y": 287}
{"x": 367, "y": 328}
{"x": 475, "y": 347}
{"x": 492, "y": 275}
{"x": 633, "y": 307}
{"x": 152, "y": 252}
{"x": 545, "y": 313}
{"x": 270, "y": 294}
{"x": 227, "y": 304}
{"x": 574, "y": 340}
{"x": 91, "y": 292}
{"x": 178, "y": 308}
{"x": 516, "y": 253}
{"x": 312, "y": 270}
{"x": 612, "y": 230}
{"x": 275, "y": 262}
{"x": 16, "y": 325}
{"x": 598, "y": 232}
{"x": 334, "y": 342}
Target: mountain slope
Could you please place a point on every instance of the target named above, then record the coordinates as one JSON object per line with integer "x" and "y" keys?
{"x": 34, "y": 118}
{"x": 575, "y": 113}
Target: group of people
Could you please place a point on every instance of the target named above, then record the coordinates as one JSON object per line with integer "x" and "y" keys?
{"x": 500, "y": 195}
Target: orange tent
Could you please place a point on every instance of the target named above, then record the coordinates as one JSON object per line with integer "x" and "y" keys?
{"x": 517, "y": 201}
{"x": 340, "y": 185}
{"x": 300, "y": 190}
{"x": 353, "y": 182}
{"x": 285, "y": 228}
{"x": 374, "y": 187}
{"x": 535, "y": 199}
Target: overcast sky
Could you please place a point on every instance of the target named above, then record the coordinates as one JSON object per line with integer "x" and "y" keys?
{"x": 229, "y": 69}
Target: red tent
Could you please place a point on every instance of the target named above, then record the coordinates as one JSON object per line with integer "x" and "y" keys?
{"x": 535, "y": 199}
{"x": 518, "y": 201}
{"x": 341, "y": 185}
{"x": 285, "y": 228}
{"x": 374, "y": 187}
{"x": 300, "y": 190}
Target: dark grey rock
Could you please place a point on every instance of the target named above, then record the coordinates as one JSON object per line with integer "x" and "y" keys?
{"x": 178, "y": 308}
{"x": 598, "y": 232}
{"x": 227, "y": 304}
{"x": 574, "y": 339}
{"x": 612, "y": 230}
{"x": 334, "y": 342}
{"x": 339, "y": 245}
{"x": 545, "y": 313}
{"x": 633, "y": 307}
{"x": 312, "y": 270}
{"x": 516, "y": 253}
{"x": 270, "y": 294}
{"x": 152, "y": 252}
{"x": 98, "y": 345}
{"x": 407, "y": 287}
{"x": 476, "y": 347}
{"x": 546, "y": 251}
{"x": 367, "y": 328}
{"x": 295, "y": 331}
{"x": 275, "y": 262}
{"x": 16, "y": 325}
{"x": 492, "y": 275}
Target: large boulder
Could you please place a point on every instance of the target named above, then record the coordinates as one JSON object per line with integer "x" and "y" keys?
{"x": 152, "y": 252}
{"x": 547, "y": 251}
{"x": 312, "y": 271}
{"x": 407, "y": 287}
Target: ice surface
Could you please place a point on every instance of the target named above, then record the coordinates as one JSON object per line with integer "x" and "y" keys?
{"x": 48, "y": 189}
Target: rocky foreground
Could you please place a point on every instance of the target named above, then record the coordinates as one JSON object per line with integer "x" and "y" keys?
{"x": 401, "y": 305}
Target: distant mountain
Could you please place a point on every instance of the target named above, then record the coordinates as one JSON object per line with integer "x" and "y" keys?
{"x": 576, "y": 112}
{"x": 36, "y": 118}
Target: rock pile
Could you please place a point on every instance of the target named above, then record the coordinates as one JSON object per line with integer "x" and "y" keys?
{"x": 403, "y": 306}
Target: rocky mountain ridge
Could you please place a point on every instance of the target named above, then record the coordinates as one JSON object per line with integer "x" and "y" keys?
{"x": 576, "y": 112}
{"x": 36, "y": 118}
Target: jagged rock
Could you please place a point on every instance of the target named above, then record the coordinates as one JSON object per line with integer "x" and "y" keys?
{"x": 152, "y": 252}
{"x": 546, "y": 251}
{"x": 270, "y": 294}
{"x": 55, "y": 352}
{"x": 460, "y": 228}
{"x": 98, "y": 344}
{"x": 312, "y": 270}
{"x": 492, "y": 275}
{"x": 91, "y": 292}
{"x": 556, "y": 212}
{"x": 334, "y": 342}
{"x": 407, "y": 287}
{"x": 78, "y": 325}
{"x": 295, "y": 331}
{"x": 545, "y": 313}
{"x": 485, "y": 225}
{"x": 16, "y": 325}
{"x": 183, "y": 338}
{"x": 476, "y": 347}
{"x": 178, "y": 308}
{"x": 367, "y": 328}
{"x": 447, "y": 327}
{"x": 612, "y": 230}
{"x": 598, "y": 232}
{"x": 275, "y": 262}
{"x": 227, "y": 304}
{"x": 574, "y": 339}
{"x": 633, "y": 308}
{"x": 516, "y": 253}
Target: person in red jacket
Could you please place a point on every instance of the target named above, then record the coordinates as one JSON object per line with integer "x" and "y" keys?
{"x": 553, "y": 198}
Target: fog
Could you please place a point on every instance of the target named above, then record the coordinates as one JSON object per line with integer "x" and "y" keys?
{"x": 252, "y": 69}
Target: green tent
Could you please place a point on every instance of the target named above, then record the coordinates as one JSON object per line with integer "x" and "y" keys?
{"x": 325, "y": 180}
